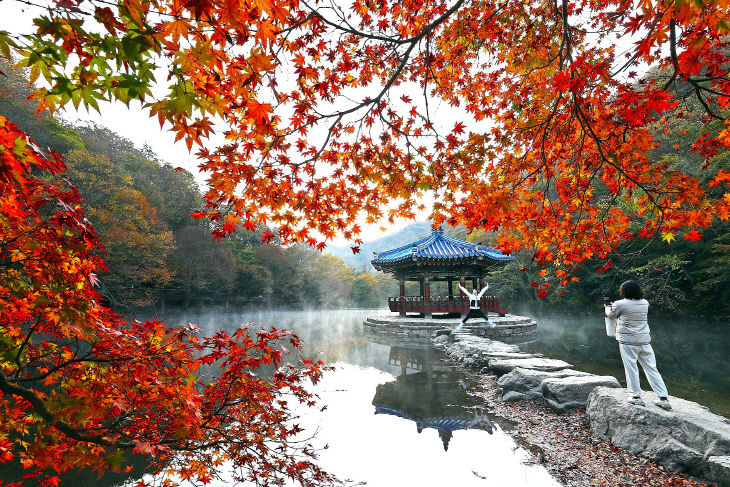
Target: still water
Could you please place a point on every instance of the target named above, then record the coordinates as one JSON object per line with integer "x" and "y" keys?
{"x": 397, "y": 414}
{"x": 693, "y": 354}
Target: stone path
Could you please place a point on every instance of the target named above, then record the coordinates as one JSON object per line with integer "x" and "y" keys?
{"x": 687, "y": 439}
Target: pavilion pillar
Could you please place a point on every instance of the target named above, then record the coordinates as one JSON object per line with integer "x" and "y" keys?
{"x": 479, "y": 281}
{"x": 427, "y": 294}
{"x": 451, "y": 288}
{"x": 462, "y": 283}
{"x": 402, "y": 295}
{"x": 474, "y": 283}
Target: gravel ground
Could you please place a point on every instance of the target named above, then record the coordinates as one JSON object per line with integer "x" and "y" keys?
{"x": 565, "y": 446}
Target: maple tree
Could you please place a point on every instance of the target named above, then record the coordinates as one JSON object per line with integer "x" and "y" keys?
{"x": 529, "y": 118}
{"x": 80, "y": 386}
{"x": 336, "y": 112}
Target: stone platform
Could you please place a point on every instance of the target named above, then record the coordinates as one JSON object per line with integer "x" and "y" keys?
{"x": 510, "y": 328}
{"x": 689, "y": 438}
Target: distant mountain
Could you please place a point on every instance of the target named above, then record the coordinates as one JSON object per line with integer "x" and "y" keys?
{"x": 362, "y": 259}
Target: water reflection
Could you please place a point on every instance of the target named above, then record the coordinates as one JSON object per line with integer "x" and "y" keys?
{"x": 368, "y": 443}
{"x": 434, "y": 396}
{"x": 397, "y": 413}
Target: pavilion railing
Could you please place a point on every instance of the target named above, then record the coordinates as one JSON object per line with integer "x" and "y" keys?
{"x": 442, "y": 304}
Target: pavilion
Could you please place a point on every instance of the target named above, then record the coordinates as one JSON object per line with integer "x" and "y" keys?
{"x": 438, "y": 257}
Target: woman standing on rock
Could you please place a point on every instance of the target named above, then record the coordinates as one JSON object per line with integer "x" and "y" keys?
{"x": 632, "y": 333}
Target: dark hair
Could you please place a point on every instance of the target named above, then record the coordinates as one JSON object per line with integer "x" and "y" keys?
{"x": 630, "y": 290}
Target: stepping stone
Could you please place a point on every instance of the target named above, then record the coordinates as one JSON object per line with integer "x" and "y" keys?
{"x": 720, "y": 470}
{"x": 521, "y": 384}
{"x": 565, "y": 394}
{"x": 503, "y": 366}
{"x": 682, "y": 439}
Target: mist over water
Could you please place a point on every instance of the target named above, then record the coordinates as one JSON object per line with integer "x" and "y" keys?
{"x": 692, "y": 353}
{"x": 386, "y": 428}
{"x": 381, "y": 426}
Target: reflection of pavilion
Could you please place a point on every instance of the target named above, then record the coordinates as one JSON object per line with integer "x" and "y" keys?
{"x": 432, "y": 397}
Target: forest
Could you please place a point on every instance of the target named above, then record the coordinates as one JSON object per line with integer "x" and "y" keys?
{"x": 682, "y": 274}
{"x": 157, "y": 254}
{"x": 141, "y": 207}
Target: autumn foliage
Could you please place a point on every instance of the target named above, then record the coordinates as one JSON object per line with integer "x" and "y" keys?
{"x": 81, "y": 387}
{"x": 528, "y": 118}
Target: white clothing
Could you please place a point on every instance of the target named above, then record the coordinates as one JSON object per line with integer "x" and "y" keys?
{"x": 631, "y": 325}
{"x": 644, "y": 355}
{"x": 474, "y": 298}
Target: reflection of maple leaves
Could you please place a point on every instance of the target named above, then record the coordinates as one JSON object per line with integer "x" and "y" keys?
{"x": 147, "y": 372}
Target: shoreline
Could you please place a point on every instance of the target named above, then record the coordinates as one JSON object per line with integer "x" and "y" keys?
{"x": 538, "y": 398}
{"x": 565, "y": 446}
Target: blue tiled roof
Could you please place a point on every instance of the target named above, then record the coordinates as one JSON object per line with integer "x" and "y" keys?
{"x": 438, "y": 246}
{"x": 441, "y": 423}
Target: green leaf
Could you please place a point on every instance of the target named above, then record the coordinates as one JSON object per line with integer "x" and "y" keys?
{"x": 6, "y": 43}
{"x": 20, "y": 148}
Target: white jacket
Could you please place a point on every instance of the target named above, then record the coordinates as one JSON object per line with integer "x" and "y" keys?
{"x": 631, "y": 324}
{"x": 474, "y": 297}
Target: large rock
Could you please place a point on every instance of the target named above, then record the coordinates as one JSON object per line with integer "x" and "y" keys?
{"x": 568, "y": 393}
{"x": 720, "y": 470}
{"x": 503, "y": 366}
{"x": 520, "y": 384}
{"x": 683, "y": 439}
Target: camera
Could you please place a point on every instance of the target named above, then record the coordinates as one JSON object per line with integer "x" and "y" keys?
{"x": 606, "y": 301}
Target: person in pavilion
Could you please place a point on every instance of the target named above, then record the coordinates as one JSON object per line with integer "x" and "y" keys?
{"x": 475, "y": 309}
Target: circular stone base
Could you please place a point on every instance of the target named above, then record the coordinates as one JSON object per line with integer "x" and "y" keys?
{"x": 509, "y": 327}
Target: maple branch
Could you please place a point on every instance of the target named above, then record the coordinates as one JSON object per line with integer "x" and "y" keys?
{"x": 23, "y": 345}
{"x": 567, "y": 37}
{"x": 41, "y": 410}
{"x": 391, "y": 40}
{"x": 698, "y": 91}
{"x": 672, "y": 53}
{"x": 586, "y": 124}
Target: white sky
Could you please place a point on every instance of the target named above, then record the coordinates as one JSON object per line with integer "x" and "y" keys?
{"x": 135, "y": 124}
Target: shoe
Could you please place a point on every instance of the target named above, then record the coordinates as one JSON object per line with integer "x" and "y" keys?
{"x": 663, "y": 403}
{"x": 637, "y": 401}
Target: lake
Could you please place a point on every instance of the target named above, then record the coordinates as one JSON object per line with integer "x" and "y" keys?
{"x": 398, "y": 415}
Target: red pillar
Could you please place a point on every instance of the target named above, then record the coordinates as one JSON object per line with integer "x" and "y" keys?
{"x": 427, "y": 294}
{"x": 462, "y": 283}
{"x": 402, "y": 296}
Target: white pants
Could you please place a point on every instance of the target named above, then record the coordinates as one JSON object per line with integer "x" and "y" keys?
{"x": 643, "y": 354}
